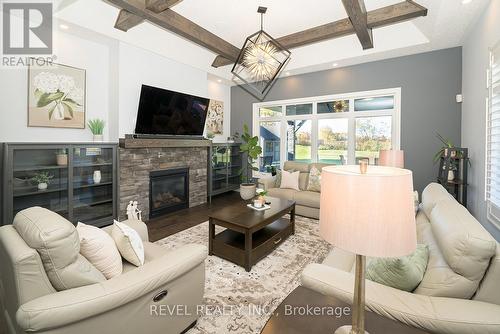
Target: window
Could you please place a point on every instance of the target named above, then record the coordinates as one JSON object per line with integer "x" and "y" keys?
{"x": 493, "y": 139}
{"x": 336, "y": 129}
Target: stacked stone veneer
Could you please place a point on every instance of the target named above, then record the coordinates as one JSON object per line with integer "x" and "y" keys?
{"x": 136, "y": 164}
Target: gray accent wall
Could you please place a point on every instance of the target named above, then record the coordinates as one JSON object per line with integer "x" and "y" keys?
{"x": 429, "y": 82}
{"x": 485, "y": 34}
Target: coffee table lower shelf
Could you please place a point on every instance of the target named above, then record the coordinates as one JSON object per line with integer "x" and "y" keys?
{"x": 231, "y": 245}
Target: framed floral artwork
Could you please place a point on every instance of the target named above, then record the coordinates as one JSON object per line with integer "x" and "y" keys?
{"x": 215, "y": 118}
{"x": 56, "y": 96}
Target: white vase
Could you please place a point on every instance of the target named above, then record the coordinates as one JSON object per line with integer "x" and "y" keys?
{"x": 59, "y": 112}
{"x": 451, "y": 175}
{"x": 42, "y": 186}
{"x": 97, "y": 176}
{"x": 98, "y": 138}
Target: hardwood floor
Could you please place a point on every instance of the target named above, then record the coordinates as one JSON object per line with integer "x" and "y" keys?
{"x": 165, "y": 226}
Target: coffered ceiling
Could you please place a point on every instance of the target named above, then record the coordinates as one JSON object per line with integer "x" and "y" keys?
{"x": 444, "y": 26}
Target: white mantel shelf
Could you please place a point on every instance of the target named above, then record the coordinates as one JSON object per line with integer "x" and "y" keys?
{"x": 131, "y": 143}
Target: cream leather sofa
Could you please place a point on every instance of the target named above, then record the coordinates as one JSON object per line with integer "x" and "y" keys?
{"x": 307, "y": 202}
{"x": 121, "y": 305}
{"x": 460, "y": 293}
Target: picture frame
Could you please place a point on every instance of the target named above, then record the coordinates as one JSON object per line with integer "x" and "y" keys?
{"x": 56, "y": 96}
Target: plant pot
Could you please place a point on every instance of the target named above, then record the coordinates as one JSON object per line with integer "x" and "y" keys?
{"x": 62, "y": 159}
{"x": 98, "y": 138}
{"x": 247, "y": 190}
{"x": 42, "y": 186}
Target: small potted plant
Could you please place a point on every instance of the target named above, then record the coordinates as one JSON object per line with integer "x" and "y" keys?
{"x": 261, "y": 196}
{"x": 42, "y": 179}
{"x": 447, "y": 145}
{"x": 96, "y": 126}
{"x": 252, "y": 149}
{"x": 62, "y": 157}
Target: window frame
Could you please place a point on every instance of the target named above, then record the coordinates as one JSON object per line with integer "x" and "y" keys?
{"x": 492, "y": 209}
{"x": 351, "y": 115}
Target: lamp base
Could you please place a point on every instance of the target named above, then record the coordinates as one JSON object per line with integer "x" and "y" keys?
{"x": 347, "y": 330}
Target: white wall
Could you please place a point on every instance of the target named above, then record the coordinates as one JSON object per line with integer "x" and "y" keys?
{"x": 486, "y": 34}
{"x": 94, "y": 56}
{"x": 115, "y": 72}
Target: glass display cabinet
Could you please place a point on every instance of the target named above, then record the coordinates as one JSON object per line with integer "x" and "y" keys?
{"x": 77, "y": 181}
{"x": 225, "y": 168}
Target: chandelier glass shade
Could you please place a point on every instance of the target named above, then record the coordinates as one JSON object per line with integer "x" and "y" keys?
{"x": 259, "y": 63}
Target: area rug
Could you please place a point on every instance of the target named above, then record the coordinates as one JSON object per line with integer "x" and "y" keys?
{"x": 241, "y": 302}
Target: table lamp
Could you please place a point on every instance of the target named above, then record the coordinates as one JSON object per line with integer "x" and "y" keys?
{"x": 368, "y": 214}
{"x": 392, "y": 158}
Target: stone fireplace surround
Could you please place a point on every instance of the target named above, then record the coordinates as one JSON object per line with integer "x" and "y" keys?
{"x": 139, "y": 157}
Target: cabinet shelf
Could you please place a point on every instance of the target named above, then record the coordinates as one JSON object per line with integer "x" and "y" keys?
{"x": 71, "y": 192}
{"x": 222, "y": 177}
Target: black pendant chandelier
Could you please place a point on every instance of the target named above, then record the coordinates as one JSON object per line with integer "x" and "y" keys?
{"x": 260, "y": 61}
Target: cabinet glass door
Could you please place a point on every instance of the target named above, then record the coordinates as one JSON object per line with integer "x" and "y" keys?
{"x": 219, "y": 167}
{"x": 40, "y": 178}
{"x": 92, "y": 183}
{"x": 235, "y": 167}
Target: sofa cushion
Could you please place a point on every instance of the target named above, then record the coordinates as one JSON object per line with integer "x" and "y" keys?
{"x": 296, "y": 166}
{"x": 402, "y": 273}
{"x": 307, "y": 198}
{"x": 464, "y": 242}
{"x": 99, "y": 248}
{"x": 58, "y": 244}
{"x": 282, "y": 193}
{"x": 314, "y": 183}
{"x": 289, "y": 180}
{"x": 433, "y": 194}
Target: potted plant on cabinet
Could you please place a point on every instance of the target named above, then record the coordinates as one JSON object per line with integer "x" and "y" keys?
{"x": 96, "y": 126}
{"x": 42, "y": 179}
{"x": 252, "y": 150}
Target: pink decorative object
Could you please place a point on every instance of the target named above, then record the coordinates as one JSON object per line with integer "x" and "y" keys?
{"x": 392, "y": 158}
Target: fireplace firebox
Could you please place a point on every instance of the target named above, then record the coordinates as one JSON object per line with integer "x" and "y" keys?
{"x": 168, "y": 191}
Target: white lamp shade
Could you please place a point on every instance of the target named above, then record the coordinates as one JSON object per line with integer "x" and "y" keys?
{"x": 368, "y": 214}
{"x": 392, "y": 158}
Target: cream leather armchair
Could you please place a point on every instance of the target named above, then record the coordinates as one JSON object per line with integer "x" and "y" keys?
{"x": 459, "y": 293}
{"x": 123, "y": 304}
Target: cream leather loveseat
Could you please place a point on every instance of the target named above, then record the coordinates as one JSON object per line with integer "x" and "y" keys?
{"x": 123, "y": 304}
{"x": 460, "y": 292}
{"x": 307, "y": 202}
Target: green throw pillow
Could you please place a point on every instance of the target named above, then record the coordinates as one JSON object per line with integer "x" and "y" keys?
{"x": 314, "y": 180}
{"x": 404, "y": 273}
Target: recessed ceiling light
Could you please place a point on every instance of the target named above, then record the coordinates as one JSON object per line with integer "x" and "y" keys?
{"x": 466, "y": 1}
{"x": 63, "y": 27}
{"x": 335, "y": 64}
{"x": 287, "y": 73}
{"x": 219, "y": 80}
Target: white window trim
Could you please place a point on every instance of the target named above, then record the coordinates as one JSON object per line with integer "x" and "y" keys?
{"x": 351, "y": 116}
{"x": 492, "y": 210}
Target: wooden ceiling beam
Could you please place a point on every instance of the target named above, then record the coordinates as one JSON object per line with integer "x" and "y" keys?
{"x": 159, "y": 6}
{"x": 126, "y": 20}
{"x": 181, "y": 26}
{"x": 356, "y": 11}
{"x": 396, "y": 13}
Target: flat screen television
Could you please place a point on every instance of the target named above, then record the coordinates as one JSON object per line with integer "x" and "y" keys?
{"x": 164, "y": 112}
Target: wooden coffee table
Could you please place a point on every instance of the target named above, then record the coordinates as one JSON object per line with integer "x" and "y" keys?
{"x": 250, "y": 235}
{"x": 292, "y": 316}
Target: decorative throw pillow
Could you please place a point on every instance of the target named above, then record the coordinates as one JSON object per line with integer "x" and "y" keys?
{"x": 99, "y": 248}
{"x": 403, "y": 273}
{"x": 290, "y": 180}
{"x": 314, "y": 180}
{"x": 129, "y": 243}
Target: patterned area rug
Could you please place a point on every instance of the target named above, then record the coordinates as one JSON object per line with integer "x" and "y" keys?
{"x": 241, "y": 302}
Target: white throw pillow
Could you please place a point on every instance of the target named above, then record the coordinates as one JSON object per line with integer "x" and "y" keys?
{"x": 99, "y": 248}
{"x": 129, "y": 243}
{"x": 290, "y": 180}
